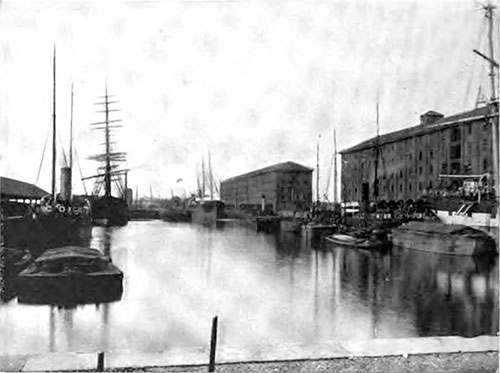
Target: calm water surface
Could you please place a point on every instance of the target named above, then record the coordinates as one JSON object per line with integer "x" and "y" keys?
{"x": 266, "y": 289}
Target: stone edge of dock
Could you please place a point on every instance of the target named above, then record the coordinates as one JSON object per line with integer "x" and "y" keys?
{"x": 115, "y": 360}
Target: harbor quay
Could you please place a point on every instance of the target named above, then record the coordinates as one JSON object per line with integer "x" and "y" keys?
{"x": 479, "y": 354}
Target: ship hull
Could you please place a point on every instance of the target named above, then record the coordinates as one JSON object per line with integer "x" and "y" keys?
{"x": 109, "y": 211}
{"x": 45, "y": 232}
{"x": 208, "y": 212}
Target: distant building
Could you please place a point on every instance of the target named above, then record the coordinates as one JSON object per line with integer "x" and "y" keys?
{"x": 410, "y": 161}
{"x": 17, "y": 196}
{"x": 284, "y": 187}
{"x": 11, "y": 189}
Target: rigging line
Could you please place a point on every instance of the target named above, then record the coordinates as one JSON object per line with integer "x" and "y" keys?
{"x": 62, "y": 148}
{"x": 80, "y": 169}
{"x": 480, "y": 37}
{"x": 43, "y": 153}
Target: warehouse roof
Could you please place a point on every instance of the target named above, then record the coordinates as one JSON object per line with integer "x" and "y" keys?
{"x": 279, "y": 167}
{"x": 420, "y": 129}
{"x": 11, "y": 188}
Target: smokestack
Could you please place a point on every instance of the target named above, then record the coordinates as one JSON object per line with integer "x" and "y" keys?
{"x": 66, "y": 183}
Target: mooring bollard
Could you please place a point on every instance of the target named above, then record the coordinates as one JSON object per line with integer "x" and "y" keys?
{"x": 213, "y": 345}
{"x": 100, "y": 362}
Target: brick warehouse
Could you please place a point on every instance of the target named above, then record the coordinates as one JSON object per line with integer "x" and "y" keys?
{"x": 411, "y": 160}
{"x": 286, "y": 186}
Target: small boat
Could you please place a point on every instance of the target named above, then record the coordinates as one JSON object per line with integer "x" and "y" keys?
{"x": 377, "y": 240}
{"x": 291, "y": 226}
{"x": 267, "y": 223}
{"x": 441, "y": 238}
{"x": 70, "y": 275}
{"x": 175, "y": 215}
{"x": 315, "y": 230}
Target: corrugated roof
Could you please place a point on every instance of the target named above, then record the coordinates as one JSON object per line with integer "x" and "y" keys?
{"x": 418, "y": 130}
{"x": 11, "y": 188}
{"x": 279, "y": 167}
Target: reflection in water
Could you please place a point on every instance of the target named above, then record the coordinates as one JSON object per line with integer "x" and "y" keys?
{"x": 52, "y": 329}
{"x": 265, "y": 289}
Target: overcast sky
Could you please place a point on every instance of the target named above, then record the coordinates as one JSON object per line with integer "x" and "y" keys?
{"x": 253, "y": 81}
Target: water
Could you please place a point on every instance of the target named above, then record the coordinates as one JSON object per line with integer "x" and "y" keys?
{"x": 265, "y": 289}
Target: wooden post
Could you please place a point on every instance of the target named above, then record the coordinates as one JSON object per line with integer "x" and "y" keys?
{"x": 213, "y": 345}
{"x": 100, "y": 362}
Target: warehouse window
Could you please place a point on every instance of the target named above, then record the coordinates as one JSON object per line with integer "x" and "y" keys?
{"x": 420, "y": 155}
{"x": 455, "y": 152}
{"x": 455, "y": 134}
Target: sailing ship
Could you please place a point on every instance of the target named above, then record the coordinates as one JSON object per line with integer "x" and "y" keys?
{"x": 207, "y": 209}
{"x": 483, "y": 212}
{"x": 108, "y": 209}
{"x": 54, "y": 220}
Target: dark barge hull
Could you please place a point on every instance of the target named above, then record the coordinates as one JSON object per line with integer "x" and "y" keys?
{"x": 444, "y": 239}
{"x": 70, "y": 275}
{"x": 70, "y": 288}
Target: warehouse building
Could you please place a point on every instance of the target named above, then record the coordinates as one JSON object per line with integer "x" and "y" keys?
{"x": 422, "y": 160}
{"x": 284, "y": 186}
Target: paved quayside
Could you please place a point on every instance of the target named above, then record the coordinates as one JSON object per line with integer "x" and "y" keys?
{"x": 71, "y": 361}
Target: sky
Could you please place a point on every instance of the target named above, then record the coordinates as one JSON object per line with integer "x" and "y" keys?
{"x": 253, "y": 82}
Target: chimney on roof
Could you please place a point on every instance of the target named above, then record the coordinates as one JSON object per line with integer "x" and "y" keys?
{"x": 430, "y": 117}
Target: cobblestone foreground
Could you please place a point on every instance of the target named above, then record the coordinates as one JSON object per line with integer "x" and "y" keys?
{"x": 434, "y": 363}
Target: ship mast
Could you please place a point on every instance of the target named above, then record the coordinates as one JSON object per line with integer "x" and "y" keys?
{"x": 202, "y": 177}
{"x": 334, "y": 166}
{"x": 377, "y": 150}
{"x": 317, "y": 171}
{"x": 54, "y": 155}
{"x": 493, "y": 109}
{"x": 210, "y": 175}
{"x": 109, "y": 158}
{"x": 71, "y": 147}
{"x": 107, "y": 171}
{"x": 71, "y": 131}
